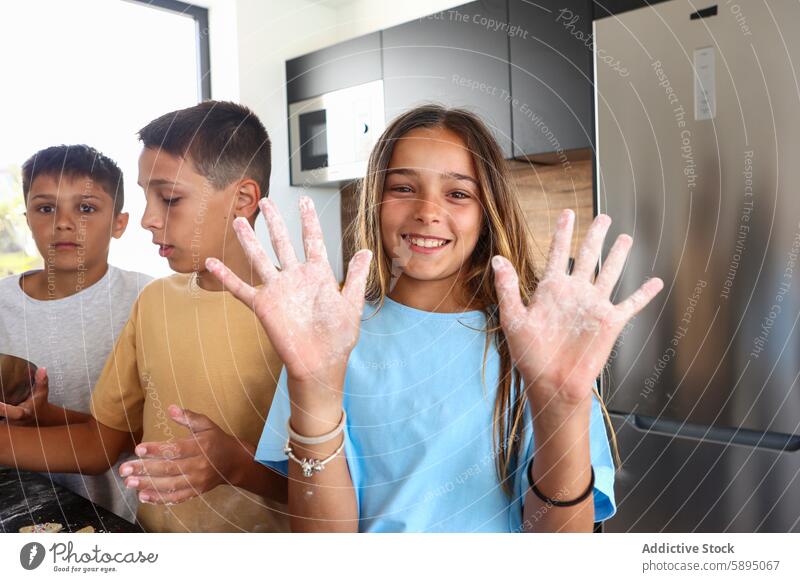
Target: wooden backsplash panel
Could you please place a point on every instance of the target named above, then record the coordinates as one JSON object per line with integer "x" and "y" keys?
{"x": 544, "y": 190}
{"x": 348, "y": 210}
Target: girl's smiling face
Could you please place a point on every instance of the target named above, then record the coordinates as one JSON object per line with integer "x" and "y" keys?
{"x": 431, "y": 215}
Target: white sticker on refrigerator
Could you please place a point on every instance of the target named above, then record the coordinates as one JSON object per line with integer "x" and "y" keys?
{"x": 705, "y": 94}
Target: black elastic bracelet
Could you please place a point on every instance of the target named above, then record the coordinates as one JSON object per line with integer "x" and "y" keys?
{"x": 556, "y": 502}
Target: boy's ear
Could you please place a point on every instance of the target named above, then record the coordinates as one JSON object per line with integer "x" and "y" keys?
{"x": 248, "y": 193}
{"x": 120, "y": 224}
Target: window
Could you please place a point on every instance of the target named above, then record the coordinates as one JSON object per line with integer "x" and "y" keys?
{"x": 94, "y": 72}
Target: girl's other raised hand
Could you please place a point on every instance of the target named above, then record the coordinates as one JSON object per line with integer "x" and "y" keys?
{"x": 563, "y": 338}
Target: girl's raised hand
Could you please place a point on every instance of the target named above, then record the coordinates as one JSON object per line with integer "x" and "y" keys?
{"x": 310, "y": 322}
{"x": 562, "y": 339}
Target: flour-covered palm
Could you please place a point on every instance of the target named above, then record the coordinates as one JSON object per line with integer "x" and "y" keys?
{"x": 312, "y": 324}
{"x": 562, "y": 339}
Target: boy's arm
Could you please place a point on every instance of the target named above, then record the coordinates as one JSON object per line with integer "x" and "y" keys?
{"x": 91, "y": 446}
{"x": 88, "y": 447}
{"x": 57, "y": 416}
{"x": 172, "y": 472}
{"x": 48, "y": 415}
{"x": 251, "y": 475}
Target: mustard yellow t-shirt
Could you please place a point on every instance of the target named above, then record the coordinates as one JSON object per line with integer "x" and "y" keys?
{"x": 207, "y": 352}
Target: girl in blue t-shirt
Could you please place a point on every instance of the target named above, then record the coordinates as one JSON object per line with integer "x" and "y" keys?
{"x": 446, "y": 413}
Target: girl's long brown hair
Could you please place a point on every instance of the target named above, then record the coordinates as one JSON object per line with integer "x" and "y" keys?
{"x": 505, "y": 232}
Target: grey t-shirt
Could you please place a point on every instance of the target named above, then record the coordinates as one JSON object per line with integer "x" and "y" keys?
{"x": 72, "y": 337}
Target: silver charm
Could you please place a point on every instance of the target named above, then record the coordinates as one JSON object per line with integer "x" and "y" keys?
{"x": 310, "y": 466}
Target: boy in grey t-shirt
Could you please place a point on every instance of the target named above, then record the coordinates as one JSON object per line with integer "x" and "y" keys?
{"x": 66, "y": 317}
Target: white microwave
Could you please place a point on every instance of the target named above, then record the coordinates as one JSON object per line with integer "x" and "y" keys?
{"x": 331, "y": 136}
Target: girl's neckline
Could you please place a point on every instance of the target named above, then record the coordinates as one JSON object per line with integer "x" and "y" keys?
{"x": 437, "y": 314}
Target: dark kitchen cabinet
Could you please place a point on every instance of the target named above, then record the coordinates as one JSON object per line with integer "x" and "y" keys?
{"x": 342, "y": 65}
{"x": 457, "y": 57}
{"x": 552, "y": 76}
{"x": 603, "y": 8}
{"x": 525, "y": 67}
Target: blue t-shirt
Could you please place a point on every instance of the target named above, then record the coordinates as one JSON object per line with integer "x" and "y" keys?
{"x": 419, "y": 434}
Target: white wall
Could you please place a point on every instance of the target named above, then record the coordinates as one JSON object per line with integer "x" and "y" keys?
{"x": 270, "y": 32}
{"x": 363, "y": 16}
{"x": 250, "y": 43}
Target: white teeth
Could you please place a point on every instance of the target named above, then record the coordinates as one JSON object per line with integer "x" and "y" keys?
{"x": 428, "y": 243}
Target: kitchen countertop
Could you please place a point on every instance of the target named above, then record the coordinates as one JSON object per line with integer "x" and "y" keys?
{"x": 28, "y": 498}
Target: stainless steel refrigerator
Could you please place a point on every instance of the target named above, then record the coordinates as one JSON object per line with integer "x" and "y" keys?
{"x": 698, "y": 158}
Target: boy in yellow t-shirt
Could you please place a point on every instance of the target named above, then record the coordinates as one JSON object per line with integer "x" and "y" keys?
{"x": 186, "y": 380}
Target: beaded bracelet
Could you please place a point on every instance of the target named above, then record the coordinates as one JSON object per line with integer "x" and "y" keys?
{"x": 311, "y": 466}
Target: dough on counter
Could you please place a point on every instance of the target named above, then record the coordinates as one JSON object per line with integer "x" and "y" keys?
{"x": 87, "y": 529}
{"x": 42, "y": 528}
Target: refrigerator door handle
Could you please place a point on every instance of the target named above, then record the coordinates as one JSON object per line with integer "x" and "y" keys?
{"x": 776, "y": 441}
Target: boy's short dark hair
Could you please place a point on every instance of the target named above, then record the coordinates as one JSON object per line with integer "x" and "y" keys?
{"x": 75, "y": 161}
{"x": 225, "y": 141}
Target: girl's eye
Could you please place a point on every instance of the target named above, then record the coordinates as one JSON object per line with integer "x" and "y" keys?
{"x": 45, "y": 209}
{"x": 402, "y": 189}
{"x": 458, "y": 194}
{"x": 171, "y": 201}
{"x": 89, "y": 209}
